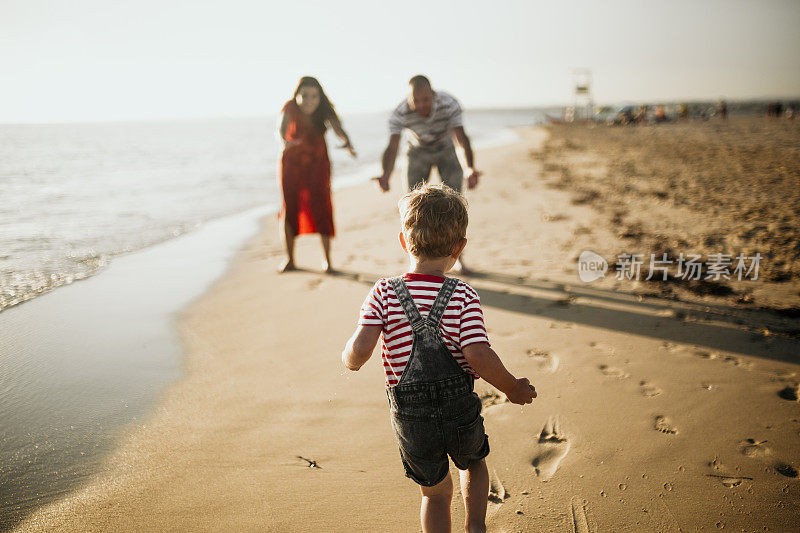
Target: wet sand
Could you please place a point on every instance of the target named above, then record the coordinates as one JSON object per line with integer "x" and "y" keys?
{"x": 655, "y": 412}
{"x": 83, "y": 363}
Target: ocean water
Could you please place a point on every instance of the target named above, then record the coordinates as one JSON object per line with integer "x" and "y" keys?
{"x": 74, "y": 196}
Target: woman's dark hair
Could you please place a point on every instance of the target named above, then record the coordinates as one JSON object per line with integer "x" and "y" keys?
{"x": 325, "y": 110}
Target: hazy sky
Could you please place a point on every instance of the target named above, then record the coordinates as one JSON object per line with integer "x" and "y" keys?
{"x": 109, "y": 59}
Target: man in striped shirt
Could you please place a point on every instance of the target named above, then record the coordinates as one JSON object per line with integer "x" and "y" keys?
{"x": 434, "y": 346}
{"x": 433, "y": 118}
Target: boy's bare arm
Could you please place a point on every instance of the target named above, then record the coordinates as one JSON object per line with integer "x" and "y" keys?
{"x": 360, "y": 346}
{"x": 486, "y": 362}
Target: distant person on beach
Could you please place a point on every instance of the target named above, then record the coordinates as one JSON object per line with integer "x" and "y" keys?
{"x": 433, "y": 119}
{"x": 792, "y": 110}
{"x": 641, "y": 115}
{"x": 432, "y": 360}
{"x": 775, "y": 109}
{"x": 305, "y": 170}
{"x": 722, "y": 109}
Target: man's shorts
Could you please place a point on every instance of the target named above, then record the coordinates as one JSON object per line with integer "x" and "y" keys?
{"x": 433, "y": 421}
{"x": 420, "y": 163}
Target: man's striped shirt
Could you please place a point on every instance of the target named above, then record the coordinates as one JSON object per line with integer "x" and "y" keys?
{"x": 429, "y": 133}
{"x": 461, "y": 324}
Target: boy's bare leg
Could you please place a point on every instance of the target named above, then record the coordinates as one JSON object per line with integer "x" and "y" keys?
{"x": 288, "y": 239}
{"x": 326, "y": 248}
{"x": 475, "y": 489}
{"x": 434, "y": 513}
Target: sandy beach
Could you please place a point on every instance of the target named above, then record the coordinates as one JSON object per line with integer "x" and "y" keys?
{"x": 661, "y": 407}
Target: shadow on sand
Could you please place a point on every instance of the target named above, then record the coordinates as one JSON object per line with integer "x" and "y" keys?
{"x": 713, "y": 326}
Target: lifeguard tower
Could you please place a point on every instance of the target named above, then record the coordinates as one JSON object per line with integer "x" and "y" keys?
{"x": 583, "y": 103}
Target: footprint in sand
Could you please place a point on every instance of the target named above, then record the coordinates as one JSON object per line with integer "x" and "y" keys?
{"x": 558, "y": 217}
{"x": 731, "y": 482}
{"x": 754, "y": 448}
{"x": 664, "y": 425}
{"x": 491, "y": 398}
{"x": 551, "y": 449}
{"x": 314, "y": 283}
{"x": 784, "y": 375}
{"x": 497, "y": 492}
{"x": 648, "y": 389}
{"x": 791, "y": 393}
{"x": 705, "y": 354}
{"x": 786, "y": 469}
{"x": 737, "y": 361}
{"x": 582, "y": 230}
{"x": 545, "y": 360}
{"x": 730, "y": 359}
{"x": 613, "y": 372}
{"x": 607, "y": 348}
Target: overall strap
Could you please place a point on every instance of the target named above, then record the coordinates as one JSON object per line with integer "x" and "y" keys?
{"x": 442, "y": 299}
{"x": 407, "y": 302}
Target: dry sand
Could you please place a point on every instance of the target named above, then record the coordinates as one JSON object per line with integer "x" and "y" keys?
{"x": 654, "y": 414}
{"x": 704, "y": 187}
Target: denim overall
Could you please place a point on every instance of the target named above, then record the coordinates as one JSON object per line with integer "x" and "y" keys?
{"x": 434, "y": 411}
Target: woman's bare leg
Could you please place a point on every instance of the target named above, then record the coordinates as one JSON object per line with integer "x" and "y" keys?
{"x": 434, "y": 512}
{"x": 288, "y": 239}
{"x": 326, "y": 248}
{"x": 475, "y": 490}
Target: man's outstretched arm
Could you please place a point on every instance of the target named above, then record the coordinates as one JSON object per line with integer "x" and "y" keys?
{"x": 389, "y": 157}
{"x": 463, "y": 140}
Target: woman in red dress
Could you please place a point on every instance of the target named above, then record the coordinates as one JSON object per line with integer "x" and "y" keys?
{"x": 305, "y": 170}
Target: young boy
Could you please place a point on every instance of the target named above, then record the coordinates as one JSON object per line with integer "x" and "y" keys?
{"x": 431, "y": 361}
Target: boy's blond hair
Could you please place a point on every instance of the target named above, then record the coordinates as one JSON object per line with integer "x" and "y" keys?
{"x": 434, "y": 220}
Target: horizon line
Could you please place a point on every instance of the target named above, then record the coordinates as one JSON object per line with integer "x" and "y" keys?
{"x": 520, "y": 107}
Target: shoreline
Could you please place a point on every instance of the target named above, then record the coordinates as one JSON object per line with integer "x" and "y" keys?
{"x": 346, "y": 173}
{"x": 83, "y": 363}
{"x": 264, "y": 386}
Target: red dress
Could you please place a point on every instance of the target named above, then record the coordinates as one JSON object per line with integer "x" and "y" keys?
{"x": 305, "y": 177}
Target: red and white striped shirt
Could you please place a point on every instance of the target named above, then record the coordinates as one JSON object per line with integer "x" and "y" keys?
{"x": 461, "y": 324}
